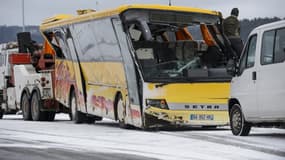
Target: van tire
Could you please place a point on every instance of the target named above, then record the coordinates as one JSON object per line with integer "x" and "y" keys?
{"x": 238, "y": 124}
{"x": 75, "y": 115}
{"x": 26, "y": 107}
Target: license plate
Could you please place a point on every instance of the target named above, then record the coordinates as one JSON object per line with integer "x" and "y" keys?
{"x": 204, "y": 117}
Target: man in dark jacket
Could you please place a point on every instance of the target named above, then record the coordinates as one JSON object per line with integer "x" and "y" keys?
{"x": 232, "y": 31}
{"x": 231, "y": 24}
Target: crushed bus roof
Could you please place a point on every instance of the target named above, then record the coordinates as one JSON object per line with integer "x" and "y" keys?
{"x": 60, "y": 20}
{"x": 57, "y": 18}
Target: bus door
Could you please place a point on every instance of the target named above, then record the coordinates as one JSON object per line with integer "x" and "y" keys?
{"x": 79, "y": 84}
{"x": 133, "y": 102}
{"x": 63, "y": 70}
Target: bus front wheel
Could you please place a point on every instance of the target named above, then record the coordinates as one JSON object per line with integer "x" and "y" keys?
{"x": 238, "y": 124}
{"x": 121, "y": 112}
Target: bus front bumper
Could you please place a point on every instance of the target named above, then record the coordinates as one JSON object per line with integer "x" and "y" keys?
{"x": 188, "y": 117}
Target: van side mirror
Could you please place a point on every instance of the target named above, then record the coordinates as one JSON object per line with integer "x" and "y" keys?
{"x": 231, "y": 67}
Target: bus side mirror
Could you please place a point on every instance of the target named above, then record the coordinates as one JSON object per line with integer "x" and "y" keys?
{"x": 231, "y": 67}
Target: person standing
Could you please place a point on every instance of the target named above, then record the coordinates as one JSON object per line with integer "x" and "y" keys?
{"x": 231, "y": 28}
{"x": 231, "y": 24}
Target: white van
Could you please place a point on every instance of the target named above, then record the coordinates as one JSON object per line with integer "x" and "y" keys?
{"x": 258, "y": 88}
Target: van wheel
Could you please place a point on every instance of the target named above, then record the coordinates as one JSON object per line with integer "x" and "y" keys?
{"x": 75, "y": 115}
{"x": 26, "y": 107}
{"x": 121, "y": 112}
{"x": 36, "y": 105}
{"x": 239, "y": 126}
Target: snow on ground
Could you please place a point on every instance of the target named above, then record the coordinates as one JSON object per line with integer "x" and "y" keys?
{"x": 106, "y": 136}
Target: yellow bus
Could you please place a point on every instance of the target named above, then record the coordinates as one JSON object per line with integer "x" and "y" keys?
{"x": 142, "y": 65}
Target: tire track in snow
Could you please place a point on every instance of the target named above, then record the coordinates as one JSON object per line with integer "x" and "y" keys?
{"x": 221, "y": 140}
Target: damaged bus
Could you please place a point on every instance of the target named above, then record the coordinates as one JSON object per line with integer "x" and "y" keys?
{"x": 142, "y": 65}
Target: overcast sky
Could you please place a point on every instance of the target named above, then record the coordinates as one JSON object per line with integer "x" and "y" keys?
{"x": 37, "y": 10}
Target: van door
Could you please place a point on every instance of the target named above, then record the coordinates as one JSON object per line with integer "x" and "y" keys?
{"x": 244, "y": 86}
{"x": 271, "y": 77}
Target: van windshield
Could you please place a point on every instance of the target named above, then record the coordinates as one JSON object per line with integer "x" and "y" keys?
{"x": 171, "y": 46}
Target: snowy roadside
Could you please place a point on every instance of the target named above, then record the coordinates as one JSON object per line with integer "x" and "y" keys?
{"x": 107, "y": 137}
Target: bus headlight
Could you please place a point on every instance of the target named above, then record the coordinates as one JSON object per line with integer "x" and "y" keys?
{"x": 159, "y": 103}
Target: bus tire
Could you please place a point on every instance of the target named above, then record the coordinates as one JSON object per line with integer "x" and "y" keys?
{"x": 76, "y": 116}
{"x": 238, "y": 124}
{"x": 26, "y": 107}
{"x": 121, "y": 112}
{"x": 36, "y": 105}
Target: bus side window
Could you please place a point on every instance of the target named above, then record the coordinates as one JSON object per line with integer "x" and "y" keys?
{"x": 70, "y": 44}
{"x": 62, "y": 49}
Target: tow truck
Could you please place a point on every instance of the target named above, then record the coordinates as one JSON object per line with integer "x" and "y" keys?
{"x": 26, "y": 81}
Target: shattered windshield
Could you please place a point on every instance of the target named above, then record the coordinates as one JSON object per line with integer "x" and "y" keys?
{"x": 172, "y": 49}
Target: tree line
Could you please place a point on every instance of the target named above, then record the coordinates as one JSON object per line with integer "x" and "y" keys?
{"x": 8, "y": 33}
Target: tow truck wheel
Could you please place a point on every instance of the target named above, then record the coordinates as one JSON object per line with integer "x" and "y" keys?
{"x": 26, "y": 107}
{"x": 75, "y": 115}
{"x": 238, "y": 124}
{"x": 49, "y": 116}
{"x": 121, "y": 112}
{"x": 36, "y": 105}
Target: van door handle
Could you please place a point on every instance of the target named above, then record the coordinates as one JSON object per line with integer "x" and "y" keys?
{"x": 254, "y": 75}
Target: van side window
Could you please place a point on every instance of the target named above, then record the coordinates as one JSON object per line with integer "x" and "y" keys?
{"x": 247, "y": 59}
{"x": 273, "y": 47}
{"x": 251, "y": 52}
{"x": 279, "y": 48}
{"x": 267, "y": 47}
